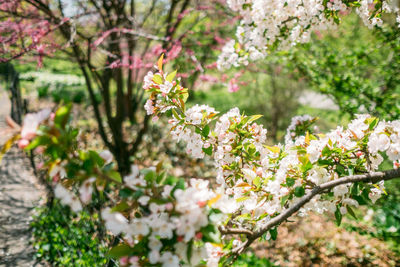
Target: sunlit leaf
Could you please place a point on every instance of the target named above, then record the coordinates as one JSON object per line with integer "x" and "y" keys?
{"x": 160, "y": 62}
{"x": 119, "y": 251}
{"x": 7, "y": 145}
{"x": 171, "y": 76}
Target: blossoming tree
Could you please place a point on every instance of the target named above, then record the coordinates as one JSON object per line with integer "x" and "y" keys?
{"x": 165, "y": 221}
{"x": 113, "y": 44}
{"x": 269, "y": 25}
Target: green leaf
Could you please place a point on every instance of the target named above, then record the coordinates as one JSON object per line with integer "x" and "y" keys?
{"x": 210, "y": 234}
{"x": 326, "y": 151}
{"x": 185, "y": 95}
{"x": 306, "y": 167}
{"x": 150, "y": 176}
{"x": 206, "y": 131}
{"x": 35, "y": 143}
{"x": 208, "y": 150}
{"x": 175, "y": 114}
{"x": 351, "y": 212}
{"x": 62, "y": 115}
{"x": 284, "y": 199}
{"x": 257, "y": 181}
{"x": 171, "y": 76}
{"x": 137, "y": 194}
{"x": 126, "y": 192}
{"x": 290, "y": 181}
{"x": 157, "y": 79}
{"x": 180, "y": 184}
{"x": 324, "y": 162}
{"x": 299, "y": 191}
{"x": 253, "y": 118}
{"x": 304, "y": 159}
{"x": 119, "y": 251}
{"x": 274, "y": 233}
{"x": 189, "y": 250}
{"x": 114, "y": 175}
{"x": 340, "y": 170}
{"x": 240, "y": 199}
{"x": 373, "y": 123}
{"x": 122, "y": 206}
{"x": 96, "y": 158}
{"x": 273, "y": 149}
{"x": 354, "y": 189}
{"x": 338, "y": 216}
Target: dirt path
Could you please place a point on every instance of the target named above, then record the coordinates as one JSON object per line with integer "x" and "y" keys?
{"x": 19, "y": 195}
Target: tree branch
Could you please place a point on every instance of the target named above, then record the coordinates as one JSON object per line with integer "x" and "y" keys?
{"x": 232, "y": 231}
{"x": 372, "y": 177}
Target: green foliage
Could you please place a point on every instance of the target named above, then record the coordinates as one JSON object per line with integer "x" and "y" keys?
{"x": 357, "y": 67}
{"x": 251, "y": 260}
{"x": 386, "y": 219}
{"x": 360, "y": 70}
{"x": 269, "y": 90}
{"x": 63, "y": 238}
{"x": 60, "y": 87}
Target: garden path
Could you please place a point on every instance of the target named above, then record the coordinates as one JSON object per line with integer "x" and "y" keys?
{"x": 19, "y": 195}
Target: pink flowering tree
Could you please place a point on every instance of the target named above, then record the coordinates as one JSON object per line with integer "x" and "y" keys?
{"x": 164, "y": 221}
{"x": 114, "y": 44}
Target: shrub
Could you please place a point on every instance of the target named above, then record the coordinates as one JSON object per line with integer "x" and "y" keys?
{"x": 64, "y": 238}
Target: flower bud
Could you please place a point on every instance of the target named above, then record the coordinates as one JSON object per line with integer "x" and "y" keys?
{"x": 123, "y": 261}
{"x": 169, "y": 206}
{"x": 199, "y": 235}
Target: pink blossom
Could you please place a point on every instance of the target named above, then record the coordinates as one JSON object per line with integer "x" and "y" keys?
{"x": 124, "y": 261}
{"x": 133, "y": 260}
{"x": 233, "y": 86}
{"x": 208, "y": 78}
{"x": 169, "y": 206}
{"x": 219, "y": 40}
{"x": 31, "y": 123}
{"x": 199, "y": 235}
{"x": 40, "y": 165}
{"x": 23, "y": 143}
{"x": 39, "y": 150}
{"x": 174, "y": 51}
{"x": 212, "y": 66}
{"x": 184, "y": 13}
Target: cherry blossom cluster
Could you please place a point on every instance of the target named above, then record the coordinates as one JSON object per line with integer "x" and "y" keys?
{"x": 263, "y": 181}
{"x": 171, "y": 225}
{"x": 299, "y": 125}
{"x": 267, "y": 25}
{"x": 169, "y": 222}
{"x": 163, "y": 220}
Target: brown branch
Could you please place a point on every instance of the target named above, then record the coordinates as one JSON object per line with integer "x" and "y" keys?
{"x": 372, "y": 177}
{"x": 233, "y": 231}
